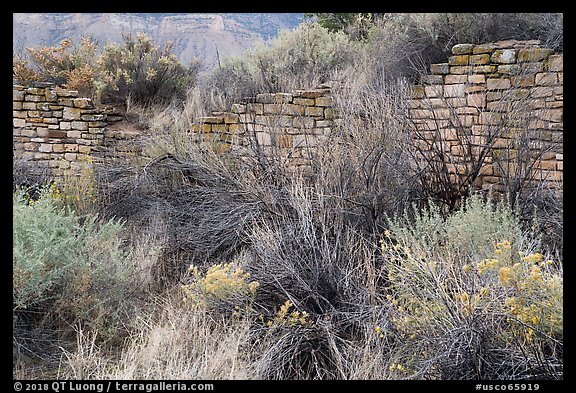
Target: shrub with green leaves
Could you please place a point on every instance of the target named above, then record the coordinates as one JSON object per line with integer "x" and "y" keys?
{"x": 143, "y": 71}
{"x": 72, "y": 65}
{"x": 472, "y": 298}
{"x": 296, "y": 59}
{"x": 67, "y": 270}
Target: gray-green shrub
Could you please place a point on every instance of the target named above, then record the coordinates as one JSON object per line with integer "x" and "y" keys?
{"x": 143, "y": 71}
{"x": 472, "y": 296}
{"x": 67, "y": 269}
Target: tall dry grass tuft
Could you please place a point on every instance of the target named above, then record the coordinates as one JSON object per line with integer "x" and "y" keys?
{"x": 173, "y": 342}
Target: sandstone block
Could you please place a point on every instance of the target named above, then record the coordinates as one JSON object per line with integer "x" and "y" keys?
{"x": 554, "y": 63}
{"x": 99, "y": 124}
{"x": 65, "y": 93}
{"x": 33, "y": 98}
{"x": 522, "y": 80}
{"x": 50, "y": 95}
{"x": 17, "y": 95}
{"x": 230, "y": 118}
{"x": 79, "y": 125}
{"x": 418, "y": 91}
{"x": 533, "y": 54}
{"x": 314, "y": 93}
{"x": 498, "y": 83}
{"x": 71, "y": 113}
{"x": 546, "y": 79}
{"x": 531, "y": 68}
{"x": 45, "y": 148}
{"x": 483, "y": 48}
{"x": 489, "y": 118}
{"x": 93, "y": 117}
{"x": 323, "y": 101}
{"x": 70, "y": 147}
{"x": 518, "y": 94}
{"x": 552, "y": 115}
{"x": 462, "y": 49}
{"x": 503, "y": 56}
{"x": 433, "y": 91}
{"x": 484, "y": 69}
{"x": 439, "y": 69}
{"x": 35, "y": 91}
{"x": 303, "y": 122}
{"x": 264, "y": 138}
{"x": 475, "y": 89}
{"x": 58, "y": 148}
{"x": 282, "y": 98}
{"x": 19, "y": 114}
{"x": 457, "y": 90}
{"x": 509, "y": 69}
{"x": 84, "y": 149}
{"x": 238, "y": 108}
{"x": 43, "y": 106}
{"x": 476, "y": 100}
{"x": 431, "y": 79}
{"x": 65, "y": 101}
{"x": 273, "y": 108}
{"x": 476, "y": 79}
{"x": 452, "y": 79}
{"x": 211, "y": 119}
{"x": 479, "y": 59}
{"x": 459, "y": 60}
{"x": 304, "y": 101}
{"x": 314, "y": 111}
{"x": 294, "y": 109}
{"x": 73, "y": 134}
{"x": 18, "y": 122}
{"x": 541, "y": 91}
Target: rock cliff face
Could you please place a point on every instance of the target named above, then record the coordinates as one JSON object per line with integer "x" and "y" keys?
{"x": 202, "y": 36}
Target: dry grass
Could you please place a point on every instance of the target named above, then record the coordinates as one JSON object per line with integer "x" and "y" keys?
{"x": 175, "y": 344}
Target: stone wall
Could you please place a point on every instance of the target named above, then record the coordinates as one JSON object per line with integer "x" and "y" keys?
{"x": 55, "y": 128}
{"x": 505, "y": 98}
{"x": 291, "y": 125}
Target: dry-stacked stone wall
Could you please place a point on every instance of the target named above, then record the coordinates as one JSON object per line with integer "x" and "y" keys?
{"x": 496, "y": 103}
{"x": 55, "y": 128}
{"x": 291, "y": 125}
{"x": 503, "y": 98}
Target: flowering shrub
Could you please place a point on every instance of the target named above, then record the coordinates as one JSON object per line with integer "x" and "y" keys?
{"x": 284, "y": 318}
{"x": 136, "y": 68}
{"x": 457, "y": 316}
{"x": 72, "y": 66}
{"x": 221, "y": 283}
{"x": 142, "y": 71}
{"x": 77, "y": 191}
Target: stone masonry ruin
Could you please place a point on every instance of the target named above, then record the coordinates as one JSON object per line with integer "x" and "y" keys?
{"x": 485, "y": 95}
{"x": 506, "y": 97}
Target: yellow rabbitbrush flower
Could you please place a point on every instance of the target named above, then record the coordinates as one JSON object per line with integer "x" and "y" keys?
{"x": 505, "y": 276}
{"x": 533, "y": 258}
{"x": 221, "y": 282}
{"x": 284, "y": 318}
